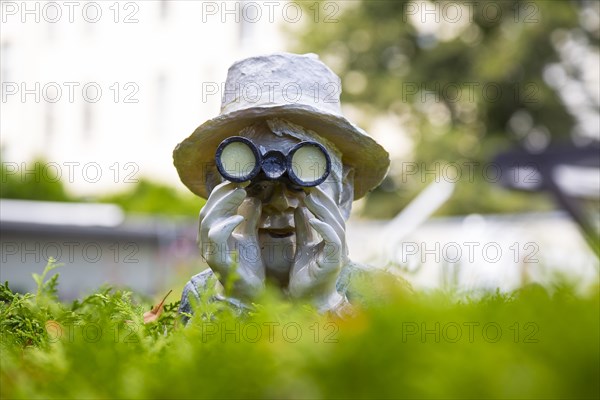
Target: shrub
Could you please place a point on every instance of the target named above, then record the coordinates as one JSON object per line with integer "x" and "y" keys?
{"x": 533, "y": 343}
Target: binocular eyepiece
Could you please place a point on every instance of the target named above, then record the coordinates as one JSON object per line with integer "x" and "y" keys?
{"x": 307, "y": 164}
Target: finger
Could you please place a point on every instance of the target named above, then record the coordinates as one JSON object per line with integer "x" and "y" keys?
{"x": 251, "y": 209}
{"x": 219, "y": 199}
{"x": 213, "y": 243}
{"x": 226, "y": 206}
{"x": 327, "y": 232}
{"x": 331, "y": 253}
{"x": 217, "y": 193}
{"x": 304, "y": 233}
{"x": 325, "y": 215}
{"x": 317, "y": 193}
{"x": 220, "y": 232}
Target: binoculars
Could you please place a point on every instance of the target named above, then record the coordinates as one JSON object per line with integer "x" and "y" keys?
{"x": 307, "y": 164}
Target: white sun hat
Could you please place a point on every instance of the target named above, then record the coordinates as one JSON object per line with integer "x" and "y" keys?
{"x": 297, "y": 88}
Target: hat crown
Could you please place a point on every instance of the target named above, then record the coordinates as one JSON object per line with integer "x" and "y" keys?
{"x": 297, "y": 88}
{"x": 281, "y": 79}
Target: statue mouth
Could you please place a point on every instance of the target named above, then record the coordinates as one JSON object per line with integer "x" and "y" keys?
{"x": 279, "y": 233}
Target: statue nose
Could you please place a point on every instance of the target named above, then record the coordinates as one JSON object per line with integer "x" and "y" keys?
{"x": 282, "y": 199}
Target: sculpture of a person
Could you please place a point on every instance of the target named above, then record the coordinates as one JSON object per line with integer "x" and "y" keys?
{"x": 272, "y": 227}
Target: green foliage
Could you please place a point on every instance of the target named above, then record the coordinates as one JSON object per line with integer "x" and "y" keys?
{"x": 17, "y": 319}
{"x": 47, "y": 288}
{"x": 143, "y": 197}
{"x": 529, "y": 344}
{"x": 31, "y": 181}
{"x": 23, "y": 316}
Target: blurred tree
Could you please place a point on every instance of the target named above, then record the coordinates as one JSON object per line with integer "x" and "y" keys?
{"x": 460, "y": 81}
{"x": 38, "y": 182}
{"x": 147, "y": 197}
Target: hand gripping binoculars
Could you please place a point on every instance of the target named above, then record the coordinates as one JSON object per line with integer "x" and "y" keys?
{"x": 307, "y": 164}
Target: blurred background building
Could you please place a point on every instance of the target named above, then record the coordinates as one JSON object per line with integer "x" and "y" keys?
{"x": 95, "y": 96}
{"x": 123, "y": 83}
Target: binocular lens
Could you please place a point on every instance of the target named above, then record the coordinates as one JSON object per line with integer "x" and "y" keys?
{"x": 309, "y": 164}
{"x": 239, "y": 160}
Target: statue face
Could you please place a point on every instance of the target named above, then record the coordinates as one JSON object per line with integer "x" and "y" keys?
{"x": 276, "y": 228}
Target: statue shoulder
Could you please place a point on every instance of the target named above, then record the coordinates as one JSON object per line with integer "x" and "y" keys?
{"x": 206, "y": 284}
{"x": 197, "y": 284}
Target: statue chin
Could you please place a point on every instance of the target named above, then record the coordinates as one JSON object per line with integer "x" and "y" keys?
{"x": 278, "y": 250}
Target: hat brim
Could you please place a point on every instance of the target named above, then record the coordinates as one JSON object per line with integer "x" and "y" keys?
{"x": 194, "y": 157}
